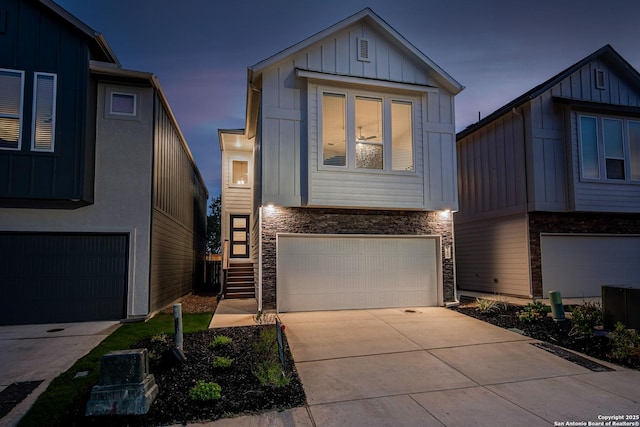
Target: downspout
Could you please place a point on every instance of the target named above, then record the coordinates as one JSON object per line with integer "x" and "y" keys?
{"x": 260, "y": 259}
{"x": 526, "y": 193}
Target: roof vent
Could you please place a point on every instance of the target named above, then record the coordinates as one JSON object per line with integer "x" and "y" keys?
{"x": 363, "y": 49}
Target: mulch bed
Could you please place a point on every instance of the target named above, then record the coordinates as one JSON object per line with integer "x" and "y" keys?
{"x": 241, "y": 393}
{"x": 557, "y": 333}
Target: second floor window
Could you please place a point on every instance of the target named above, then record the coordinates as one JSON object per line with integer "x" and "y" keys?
{"x": 11, "y": 90}
{"x": 44, "y": 112}
{"x": 239, "y": 172}
{"x": 609, "y": 148}
{"x": 367, "y": 132}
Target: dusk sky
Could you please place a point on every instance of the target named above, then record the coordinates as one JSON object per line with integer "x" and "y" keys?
{"x": 497, "y": 49}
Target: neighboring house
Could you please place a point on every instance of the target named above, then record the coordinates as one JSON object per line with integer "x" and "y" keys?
{"x": 549, "y": 186}
{"x": 102, "y": 208}
{"x": 345, "y": 173}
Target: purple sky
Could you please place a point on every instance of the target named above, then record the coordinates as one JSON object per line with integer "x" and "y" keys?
{"x": 497, "y": 49}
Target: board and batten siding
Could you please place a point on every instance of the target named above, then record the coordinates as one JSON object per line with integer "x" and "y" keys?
{"x": 557, "y": 184}
{"x": 289, "y": 122}
{"x": 179, "y": 217}
{"x": 492, "y": 256}
{"x": 491, "y": 171}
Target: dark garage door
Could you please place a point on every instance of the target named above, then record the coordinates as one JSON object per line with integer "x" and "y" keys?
{"x": 60, "y": 277}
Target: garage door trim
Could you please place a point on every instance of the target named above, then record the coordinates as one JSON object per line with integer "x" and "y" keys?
{"x": 431, "y": 281}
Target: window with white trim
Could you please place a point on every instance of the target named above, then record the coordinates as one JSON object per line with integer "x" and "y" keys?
{"x": 366, "y": 131}
{"x": 239, "y": 173}
{"x": 609, "y": 148}
{"x": 44, "y": 112}
{"x": 11, "y": 100}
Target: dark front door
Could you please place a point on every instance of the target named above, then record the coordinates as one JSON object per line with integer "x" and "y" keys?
{"x": 239, "y": 236}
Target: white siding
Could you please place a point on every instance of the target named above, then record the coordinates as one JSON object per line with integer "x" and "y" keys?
{"x": 235, "y": 200}
{"x": 290, "y": 175}
{"x": 492, "y": 256}
{"x": 491, "y": 170}
{"x": 556, "y": 184}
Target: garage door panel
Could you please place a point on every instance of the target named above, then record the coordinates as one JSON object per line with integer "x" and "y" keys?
{"x": 578, "y": 266}
{"x": 346, "y": 272}
{"x": 63, "y": 277}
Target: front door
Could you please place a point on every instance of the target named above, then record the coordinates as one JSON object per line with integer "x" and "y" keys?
{"x": 239, "y": 236}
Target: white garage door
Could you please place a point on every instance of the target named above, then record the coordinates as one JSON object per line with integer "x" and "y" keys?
{"x": 578, "y": 265}
{"x": 321, "y": 272}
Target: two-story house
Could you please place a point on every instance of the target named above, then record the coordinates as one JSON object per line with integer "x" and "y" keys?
{"x": 102, "y": 207}
{"x": 549, "y": 186}
{"x": 339, "y": 189}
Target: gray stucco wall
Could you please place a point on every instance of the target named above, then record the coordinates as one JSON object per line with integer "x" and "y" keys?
{"x": 351, "y": 221}
{"x": 122, "y": 201}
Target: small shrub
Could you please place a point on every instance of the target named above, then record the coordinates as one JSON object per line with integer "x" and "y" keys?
{"x": 269, "y": 373}
{"x": 220, "y": 341}
{"x": 267, "y": 344}
{"x": 222, "y": 362}
{"x": 486, "y": 306}
{"x": 204, "y": 391}
{"x": 533, "y": 312}
{"x": 585, "y": 317}
{"x": 502, "y": 304}
{"x": 623, "y": 342}
{"x": 160, "y": 338}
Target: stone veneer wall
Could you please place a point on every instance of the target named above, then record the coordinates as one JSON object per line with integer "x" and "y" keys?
{"x": 591, "y": 223}
{"x": 349, "y": 221}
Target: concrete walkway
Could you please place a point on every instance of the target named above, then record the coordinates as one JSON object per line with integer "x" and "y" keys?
{"x": 41, "y": 353}
{"x": 435, "y": 367}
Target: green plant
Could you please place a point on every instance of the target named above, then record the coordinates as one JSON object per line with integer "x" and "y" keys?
{"x": 270, "y": 373}
{"x": 204, "y": 391}
{"x": 220, "y": 341}
{"x": 624, "y": 341}
{"x": 222, "y": 362}
{"x": 585, "y": 317}
{"x": 533, "y": 312}
{"x": 267, "y": 344}
{"x": 502, "y": 303}
{"x": 486, "y": 306}
{"x": 160, "y": 338}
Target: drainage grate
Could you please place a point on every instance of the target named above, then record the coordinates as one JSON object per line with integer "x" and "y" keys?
{"x": 14, "y": 394}
{"x": 572, "y": 357}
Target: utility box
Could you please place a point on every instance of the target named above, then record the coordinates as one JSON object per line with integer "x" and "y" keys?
{"x": 621, "y": 304}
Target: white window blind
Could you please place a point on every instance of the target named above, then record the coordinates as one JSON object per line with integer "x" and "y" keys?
{"x": 123, "y": 103}
{"x": 44, "y": 112}
{"x": 11, "y": 90}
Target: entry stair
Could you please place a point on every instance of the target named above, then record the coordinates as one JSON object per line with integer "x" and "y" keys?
{"x": 240, "y": 282}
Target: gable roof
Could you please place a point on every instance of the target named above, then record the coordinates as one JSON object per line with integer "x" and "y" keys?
{"x": 98, "y": 39}
{"x": 371, "y": 17}
{"x": 606, "y": 52}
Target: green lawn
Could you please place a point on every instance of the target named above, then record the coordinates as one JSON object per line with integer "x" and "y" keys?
{"x": 52, "y": 406}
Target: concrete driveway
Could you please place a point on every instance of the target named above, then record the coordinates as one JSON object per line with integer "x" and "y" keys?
{"x": 41, "y": 353}
{"x": 437, "y": 367}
